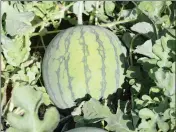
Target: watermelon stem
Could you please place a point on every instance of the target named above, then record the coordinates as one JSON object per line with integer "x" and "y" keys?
{"x": 43, "y": 42}
{"x": 65, "y": 118}
{"x": 131, "y": 48}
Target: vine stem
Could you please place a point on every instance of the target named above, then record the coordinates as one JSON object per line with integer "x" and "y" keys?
{"x": 80, "y": 21}
{"x": 131, "y": 48}
{"x": 65, "y": 118}
{"x": 131, "y": 63}
{"x": 48, "y": 32}
{"x": 4, "y": 97}
{"x": 43, "y": 42}
{"x": 116, "y": 23}
{"x": 96, "y": 12}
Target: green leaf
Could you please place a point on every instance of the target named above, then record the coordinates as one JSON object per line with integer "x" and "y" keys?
{"x": 119, "y": 122}
{"x": 80, "y": 122}
{"x": 109, "y": 7}
{"x": 12, "y": 130}
{"x": 78, "y": 110}
{"x": 173, "y": 67}
{"x": 128, "y": 14}
{"x": 46, "y": 98}
{"x": 28, "y": 74}
{"x": 87, "y": 129}
{"x": 101, "y": 13}
{"x": 142, "y": 27}
{"x": 44, "y": 8}
{"x": 16, "y": 50}
{"x": 158, "y": 49}
{"x": 126, "y": 38}
{"x": 17, "y": 23}
{"x": 3, "y": 63}
{"x": 165, "y": 21}
{"x": 27, "y": 98}
{"x": 163, "y": 104}
{"x": 136, "y": 87}
{"x": 145, "y": 49}
{"x": 162, "y": 49}
{"x": 154, "y": 90}
{"x": 163, "y": 126}
{"x": 146, "y": 98}
{"x": 135, "y": 119}
{"x": 147, "y": 126}
{"x": 139, "y": 102}
{"x": 151, "y": 8}
{"x": 89, "y": 5}
{"x": 146, "y": 113}
{"x": 147, "y": 63}
{"x": 164, "y": 80}
{"x": 94, "y": 110}
{"x": 134, "y": 72}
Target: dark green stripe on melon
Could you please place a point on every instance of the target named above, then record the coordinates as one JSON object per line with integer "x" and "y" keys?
{"x": 82, "y": 60}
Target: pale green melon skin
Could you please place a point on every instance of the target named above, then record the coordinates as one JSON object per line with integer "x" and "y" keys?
{"x": 87, "y": 129}
{"x": 83, "y": 60}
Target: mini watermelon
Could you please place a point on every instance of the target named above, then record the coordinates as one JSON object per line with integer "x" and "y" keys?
{"x": 86, "y": 129}
{"x": 82, "y": 60}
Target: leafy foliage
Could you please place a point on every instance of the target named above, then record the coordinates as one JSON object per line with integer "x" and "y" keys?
{"x": 145, "y": 103}
{"x": 29, "y": 121}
